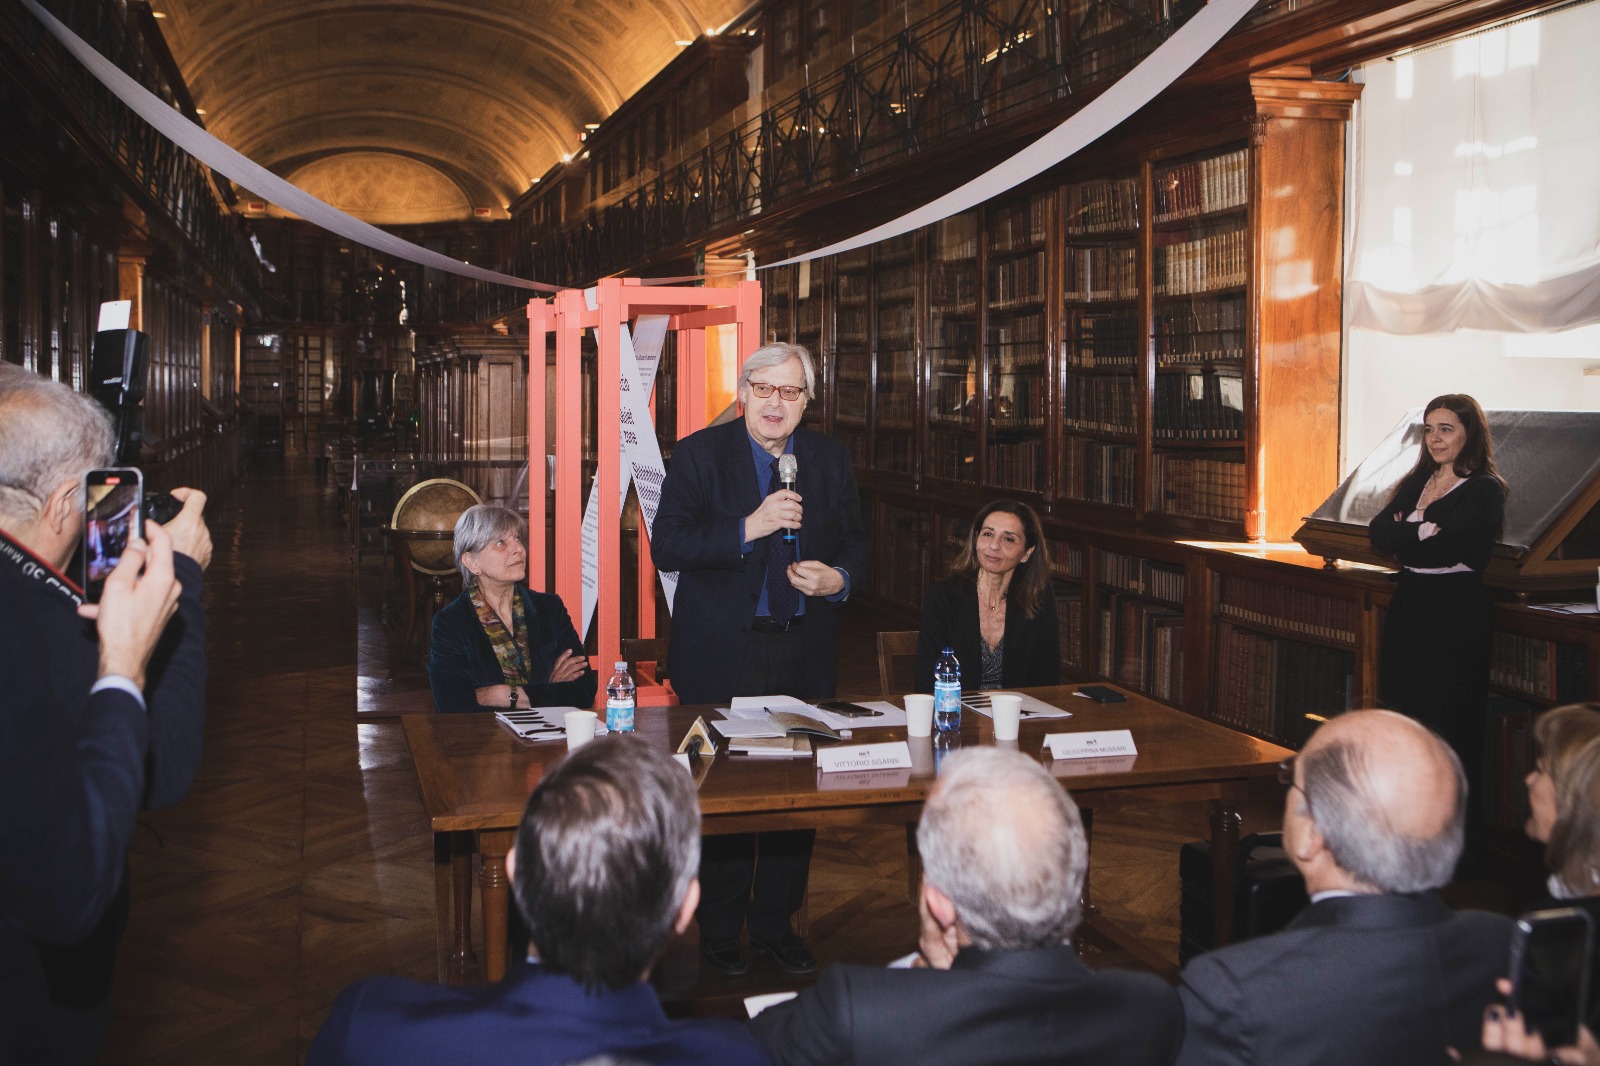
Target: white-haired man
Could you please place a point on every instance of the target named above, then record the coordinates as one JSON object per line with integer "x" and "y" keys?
{"x": 55, "y": 976}
{"x": 1377, "y": 970}
{"x": 1003, "y": 861}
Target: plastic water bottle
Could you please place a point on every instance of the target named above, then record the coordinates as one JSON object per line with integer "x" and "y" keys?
{"x": 619, "y": 701}
{"x": 947, "y": 692}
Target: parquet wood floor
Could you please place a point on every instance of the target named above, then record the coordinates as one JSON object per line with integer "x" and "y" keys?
{"x": 301, "y": 859}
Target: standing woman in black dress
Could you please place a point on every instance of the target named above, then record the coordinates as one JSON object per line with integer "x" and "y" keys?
{"x": 1441, "y": 523}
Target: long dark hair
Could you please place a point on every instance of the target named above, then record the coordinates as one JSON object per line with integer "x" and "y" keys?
{"x": 1032, "y": 577}
{"x": 1476, "y": 455}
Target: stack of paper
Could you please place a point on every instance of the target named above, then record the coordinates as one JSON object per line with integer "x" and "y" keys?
{"x": 540, "y": 723}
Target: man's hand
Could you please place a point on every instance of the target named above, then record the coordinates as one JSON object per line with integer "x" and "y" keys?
{"x": 781, "y": 510}
{"x": 188, "y": 529}
{"x": 815, "y": 578}
{"x": 1504, "y": 1031}
{"x": 568, "y": 667}
{"x": 134, "y": 607}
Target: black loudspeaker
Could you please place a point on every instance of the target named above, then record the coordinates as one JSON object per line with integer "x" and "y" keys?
{"x": 1268, "y": 893}
{"x": 117, "y": 372}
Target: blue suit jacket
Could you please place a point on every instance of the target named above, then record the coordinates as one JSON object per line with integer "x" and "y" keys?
{"x": 461, "y": 660}
{"x": 1353, "y": 981}
{"x": 533, "y": 1018}
{"x": 710, "y": 487}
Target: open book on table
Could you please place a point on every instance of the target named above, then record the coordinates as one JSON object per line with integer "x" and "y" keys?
{"x": 774, "y": 724}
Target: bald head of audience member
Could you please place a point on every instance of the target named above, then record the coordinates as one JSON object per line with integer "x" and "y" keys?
{"x": 1003, "y": 857}
{"x": 1378, "y": 806}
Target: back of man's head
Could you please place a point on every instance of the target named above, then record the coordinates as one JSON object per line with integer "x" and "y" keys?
{"x": 1004, "y": 841}
{"x": 608, "y": 846}
{"x": 49, "y": 435}
{"x": 1389, "y": 799}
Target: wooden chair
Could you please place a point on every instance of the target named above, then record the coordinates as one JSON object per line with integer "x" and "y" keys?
{"x": 897, "y": 661}
{"x": 647, "y": 649}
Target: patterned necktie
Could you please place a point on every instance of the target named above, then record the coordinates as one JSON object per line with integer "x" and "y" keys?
{"x": 783, "y": 599}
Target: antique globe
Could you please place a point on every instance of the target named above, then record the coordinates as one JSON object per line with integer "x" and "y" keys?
{"x": 432, "y": 506}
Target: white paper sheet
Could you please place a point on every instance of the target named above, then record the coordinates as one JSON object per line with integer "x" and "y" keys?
{"x": 757, "y": 707}
{"x": 1031, "y": 706}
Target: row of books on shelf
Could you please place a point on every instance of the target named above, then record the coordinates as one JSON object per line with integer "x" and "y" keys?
{"x": 1103, "y": 206}
{"x": 1098, "y": 472}
{"x": 1197, "y": 487}
{"x": 1018, "y": 329}
{"x": 956, "y": 237}
{"x": 900, "y": 321}
{"x": 1201, "y": 264}
{"x": 852, "y": 322}
{"x": 1017, "y": 465}
{"x": 1288, "y": 609}
{"x": 1141, "y": 645}
{"x": 1201, "y": 331}
{"x": 1104, "y": 339}
{"x": 898, "y": 283}
{"x": 1019, "y": 225}
{"x": 892, "y": 452}
{"x": 1102, "y": 272}
{"x": 852, "y": 364}
{"x": 1146, "y": 577}
{"x": 951, "y": 396}
{"x": 953, "y": 457}
{"x": 1200, "y": 406}
{"x": 1547, "y": 669}
{"x": 1017, "y": 281}
{"x": 1066, "y": 560}
{"x": 1069, "y": 625}
{"x": 854, "y": 288}
{"x": 897, "y": 407}
{"x": 1268, "y": 684}
{"x": 1199, "y": 187}
{"x": 1099, "y": 403}
{"x": 851, "y": 405}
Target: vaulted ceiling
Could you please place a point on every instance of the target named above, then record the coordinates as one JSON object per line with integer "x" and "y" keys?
{"x": 374, "y": 94}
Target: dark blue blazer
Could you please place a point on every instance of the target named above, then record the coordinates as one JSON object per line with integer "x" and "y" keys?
{"x": 1039, "y": 1005}
{"x": 1353, "y": 981}
{"x": 533, "y": 1018}
{"x": 461, "y": 660}
{"x": 950, "y": 619}
{"x": 710, "y": 486}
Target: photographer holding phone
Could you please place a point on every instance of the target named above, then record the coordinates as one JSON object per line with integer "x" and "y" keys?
{"x": 50, "y": 438}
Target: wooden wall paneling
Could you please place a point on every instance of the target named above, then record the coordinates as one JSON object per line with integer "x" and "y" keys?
{"x": 1298, "y": 233}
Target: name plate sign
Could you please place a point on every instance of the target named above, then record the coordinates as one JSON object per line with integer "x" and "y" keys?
{"x": 892, "y": 756}
{"x": 1099, "y": 744}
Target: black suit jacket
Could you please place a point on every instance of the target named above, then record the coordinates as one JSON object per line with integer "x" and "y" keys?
{"x": 1353, "y": 981}
{"x": 1469, "y": 518}
{"x": 1030, "y": 1006}
{"x": 950, "y": 617}
{"x": 461, "y": 660}
{"x": 710, "y": 486}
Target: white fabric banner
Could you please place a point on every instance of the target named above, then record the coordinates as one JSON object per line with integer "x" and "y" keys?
{"x": 641, "y": 452}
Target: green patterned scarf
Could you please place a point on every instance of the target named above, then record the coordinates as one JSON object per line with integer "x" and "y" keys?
{"x": 507, "y": 645}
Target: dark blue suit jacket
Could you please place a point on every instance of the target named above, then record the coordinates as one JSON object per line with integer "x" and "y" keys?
{"x": 532, "y": 1018}
{"x": 461, "y": 660}
{"x": 1353, "y": 981}
{"x": 710, "y": 487}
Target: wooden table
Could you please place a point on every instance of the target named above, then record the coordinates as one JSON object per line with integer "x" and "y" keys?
{"x": 475, "y": 777}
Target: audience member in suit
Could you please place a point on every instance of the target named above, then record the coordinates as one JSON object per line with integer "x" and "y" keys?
{"x": 50, "y": 436}
{"x": 997, "y": 980}
{"x": 754, "y": 614}
{"x": 603, "y": 869}
{"x": 1377, "y": 969}
{"x": 997, "y": 609}
{"x": 499, "y": 644}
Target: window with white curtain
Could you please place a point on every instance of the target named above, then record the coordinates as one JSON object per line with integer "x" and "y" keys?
{"x": 1474, "y": 259}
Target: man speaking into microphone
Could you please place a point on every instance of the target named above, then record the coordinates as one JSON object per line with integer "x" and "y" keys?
{"x": 762, "y": 522}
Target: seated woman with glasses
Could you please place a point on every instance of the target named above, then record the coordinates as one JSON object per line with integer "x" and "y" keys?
{"x": 997, "y": 609}
{"x": 499, "y": 644}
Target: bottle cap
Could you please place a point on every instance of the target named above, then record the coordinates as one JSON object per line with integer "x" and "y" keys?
{"x": 620, "y": 666}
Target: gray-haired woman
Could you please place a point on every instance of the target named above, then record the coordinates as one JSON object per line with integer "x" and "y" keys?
{"x": 500, "y": 644}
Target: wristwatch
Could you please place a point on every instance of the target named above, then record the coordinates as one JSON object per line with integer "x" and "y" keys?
{"x": 513, "y": 704}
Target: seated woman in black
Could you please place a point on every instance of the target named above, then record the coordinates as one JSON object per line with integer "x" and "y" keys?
{"x": 997, "y": 609}
{"x": 499, "y": 644}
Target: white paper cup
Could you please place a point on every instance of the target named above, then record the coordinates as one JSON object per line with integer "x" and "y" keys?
{"x": 922, "y": 761}
{"x": 580, "y": 728}
{"x": 1006, "y": 709}
{"x": 919, "y": 715}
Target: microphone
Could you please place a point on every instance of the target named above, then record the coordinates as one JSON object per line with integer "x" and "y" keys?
{"x": 788, "y": 469}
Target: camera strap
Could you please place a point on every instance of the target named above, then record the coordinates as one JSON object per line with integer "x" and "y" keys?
{"x": 30, "y": 565}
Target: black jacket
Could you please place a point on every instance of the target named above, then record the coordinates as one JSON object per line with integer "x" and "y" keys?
{"x": 950, "y": 617}
{"x": 461, "y": 660}
{"x": 1469, "y": 519}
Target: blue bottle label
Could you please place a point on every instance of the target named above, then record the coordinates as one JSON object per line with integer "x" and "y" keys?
{"x": 619, "y": 716}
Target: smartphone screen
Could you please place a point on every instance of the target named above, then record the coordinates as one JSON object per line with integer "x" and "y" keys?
{"x": 849, "y": 710}
{"x": 1550, "y": 972}
{"x": 112, "y": 515}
